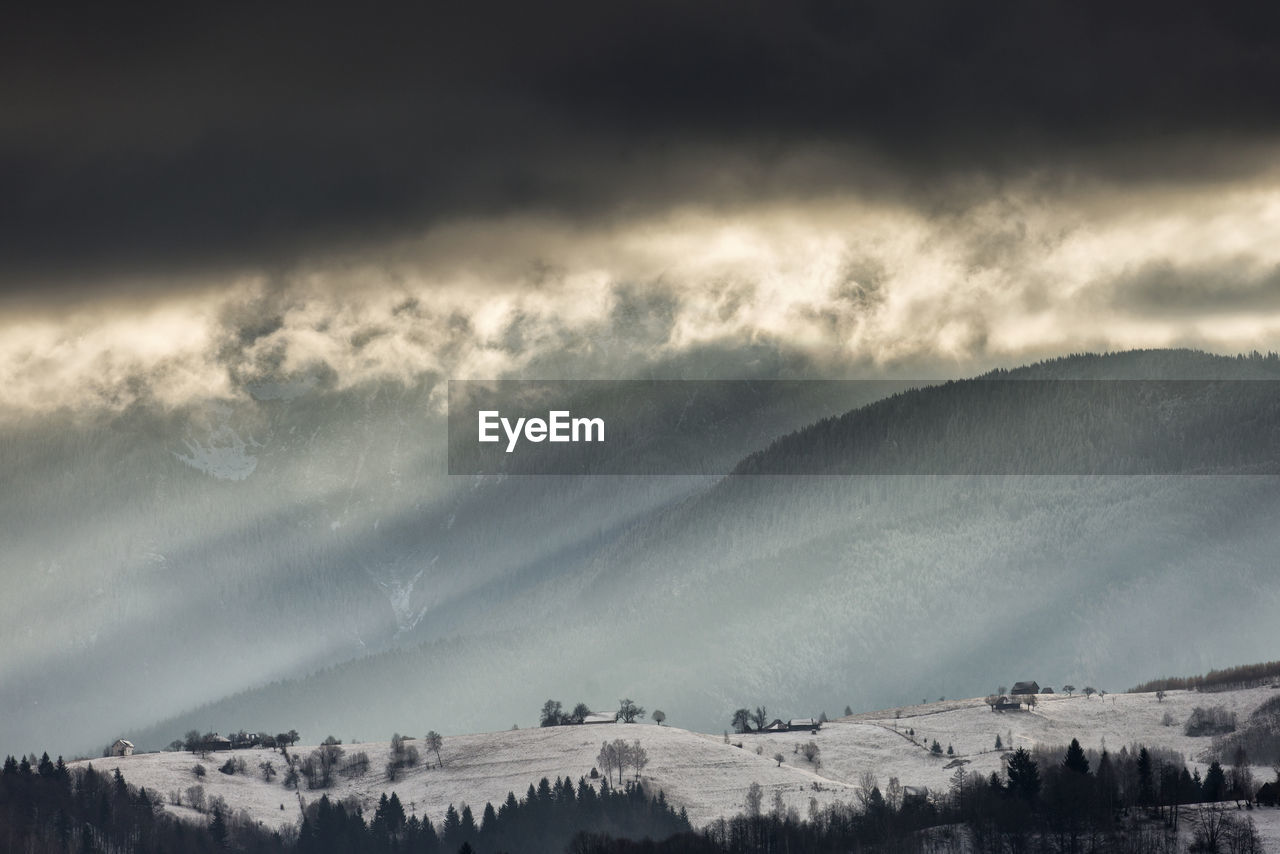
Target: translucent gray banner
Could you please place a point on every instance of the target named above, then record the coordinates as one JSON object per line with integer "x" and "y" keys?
{"x": 821, "y": 427}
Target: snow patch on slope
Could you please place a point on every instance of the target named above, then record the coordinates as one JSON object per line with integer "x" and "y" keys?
{"x": 400, "y": 598}
{"x": 224, "y": 455}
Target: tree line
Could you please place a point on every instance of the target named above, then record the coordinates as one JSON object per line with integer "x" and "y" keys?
{"x": 196, "y": 742}
{"x": 47, "y": 807}
{"x": 1215, "y": 680}
{"x": 1066, "y": 801}
{"x": 553, "y": 713}
{"x": 550, "y": 818}
{"x": 745, "y": 719}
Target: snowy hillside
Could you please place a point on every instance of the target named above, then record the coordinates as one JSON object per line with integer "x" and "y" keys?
{"x": 708, "y": 777}
{"x": 699, "y": 772}
{"x": 274, "y": 536}
{"x": 912, "y": 586}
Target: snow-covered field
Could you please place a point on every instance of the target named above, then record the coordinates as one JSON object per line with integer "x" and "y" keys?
{"x": 702, "y": 773}
{"x": 708, "y": 777}
{"x": 1268, "y": 824}
{"x": 1113, "y": 721}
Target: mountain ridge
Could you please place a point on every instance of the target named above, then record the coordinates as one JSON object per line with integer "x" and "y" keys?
{"x": 929, "y": 575}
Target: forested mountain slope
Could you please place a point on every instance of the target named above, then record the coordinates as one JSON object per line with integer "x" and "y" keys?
{"x": 157, "y": 560}
{"x": 809, "y": 592}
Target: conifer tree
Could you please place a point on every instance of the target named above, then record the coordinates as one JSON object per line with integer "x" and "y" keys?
{"x": 1024, "y": 775}
{"x": 1075, "y": 759}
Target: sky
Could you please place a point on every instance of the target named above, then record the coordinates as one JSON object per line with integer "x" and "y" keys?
{"x": 194, "y": 200}
{"x": 204, "y": 206}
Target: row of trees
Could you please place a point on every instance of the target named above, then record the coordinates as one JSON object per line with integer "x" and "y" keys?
{"x": 196, "y": 742}
{"x": 744, "y": 720}
{"x": 999, "y": 701}
{"x": 1081, "y": 801}
{"x": 405, "y": 755}
{"x": 46, "y": 807}
{"x": 551, "y": 817}
{"x": 553, "y": 713}
{"x": 1066, "y": 801}
{"x": 1259, "y": 736}
{"x": 618, "y": 756}
{"x": 1215, "y": 720}
{"x": 1214, "y": 680}
{"x": 318, "y": 767}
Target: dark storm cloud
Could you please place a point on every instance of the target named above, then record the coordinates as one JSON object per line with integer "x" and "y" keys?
{"x": 226, "y": 136}
{"x": 1232, "y": 286}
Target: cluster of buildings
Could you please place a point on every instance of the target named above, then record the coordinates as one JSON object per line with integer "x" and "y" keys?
{"x": 794, "y": 725}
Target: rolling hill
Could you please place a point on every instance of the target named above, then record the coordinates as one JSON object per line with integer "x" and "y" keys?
{"x": 810, "y": 592}
{"x": 277, "y": 564}
{"x": 708, "y": 776}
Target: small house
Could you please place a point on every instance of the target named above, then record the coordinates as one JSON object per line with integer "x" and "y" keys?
{"x": 122, "y": 747}
{"x": 803, "y": 723}
{"x": 1021, "y": 688}
{"x": 777, "y": 726}
{"x": 919, "y": 794}
{"x": 216, "y": 742}
{"x": 1268, "y": 795}
{"x": 601, "y": 718}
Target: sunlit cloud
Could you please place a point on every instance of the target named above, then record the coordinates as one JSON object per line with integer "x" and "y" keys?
{"x": 838, "y": 281}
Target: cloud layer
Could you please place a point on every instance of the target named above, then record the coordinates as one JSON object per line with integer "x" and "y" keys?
{"x": 201, "y": 203}
{"x": 217, "y": 139}
{"x": 837, "y": 286}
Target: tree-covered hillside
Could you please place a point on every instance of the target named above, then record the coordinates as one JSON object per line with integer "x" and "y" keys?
{"x": 812, "y": 592}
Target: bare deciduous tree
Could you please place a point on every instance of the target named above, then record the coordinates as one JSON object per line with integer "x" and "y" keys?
{"x": 434, "y": 741}
{"x": 637, "y": 757}
{"x": 612, "y": 757}
{"x": 755, "y": 795}
{"x": 195, "y": 798}
{"x": 760, "y": 717}
{"x": 866, "y": 785}
{"x": 628, "y": 711}
{"x": 551, "y": 714}
{"x": 894, "y": 793}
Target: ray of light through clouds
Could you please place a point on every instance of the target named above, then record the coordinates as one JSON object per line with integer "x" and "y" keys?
{"x": 242, "y": 252}
{"x": 841, "y": 281}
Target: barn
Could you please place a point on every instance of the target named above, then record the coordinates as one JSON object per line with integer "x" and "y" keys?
{"x": 122, "y": 747}
{"x": 216, "y": 742}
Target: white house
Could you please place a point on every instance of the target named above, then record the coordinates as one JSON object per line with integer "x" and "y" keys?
{"x": 122, "y": 748}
